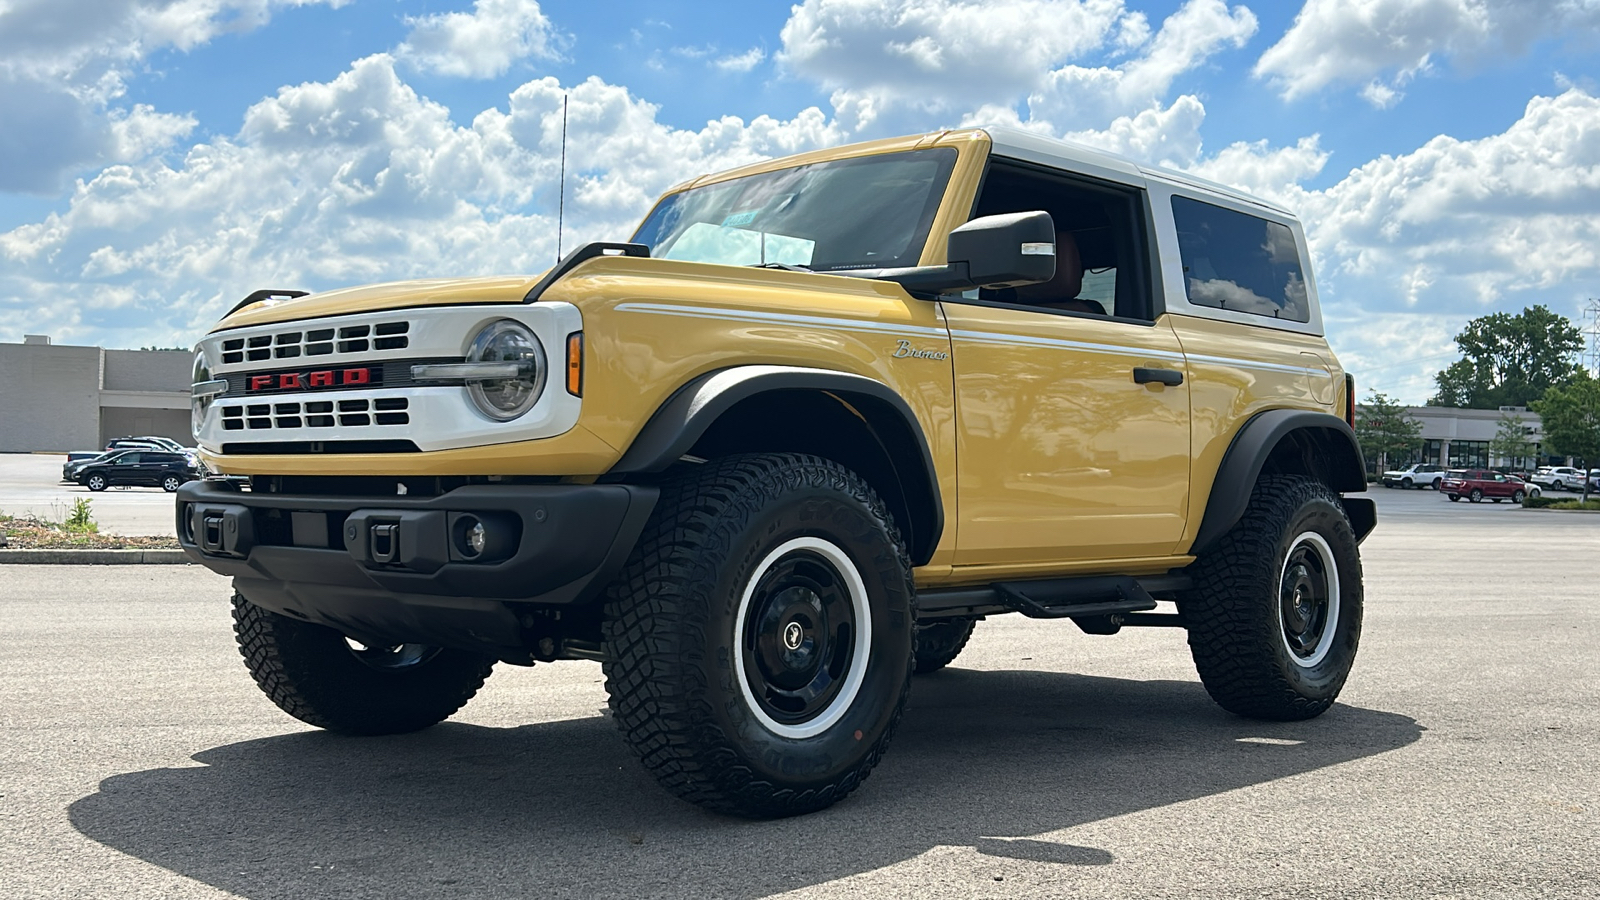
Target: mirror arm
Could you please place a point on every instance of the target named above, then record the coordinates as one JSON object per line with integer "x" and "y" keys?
{"x": 919, "y": 279}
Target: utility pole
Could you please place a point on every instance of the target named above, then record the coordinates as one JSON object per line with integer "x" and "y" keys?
{"x": 1592, "y": 329}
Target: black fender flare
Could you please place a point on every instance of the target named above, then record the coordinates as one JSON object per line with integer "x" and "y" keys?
{"x": 1255, "y": 442}
{"x": 694, "y": 407}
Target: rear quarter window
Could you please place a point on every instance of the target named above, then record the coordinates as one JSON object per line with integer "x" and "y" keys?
{"x": 1239, "y": 262}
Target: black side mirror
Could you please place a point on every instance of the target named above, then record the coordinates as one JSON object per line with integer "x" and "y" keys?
{"x": 1006, "y": 251}
{"x": 994, "y": 252}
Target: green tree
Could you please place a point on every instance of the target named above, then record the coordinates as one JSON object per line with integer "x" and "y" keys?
{"x": 1510, "y": 441}
{"x": 1509, "y": 360}
{"x": 1383, "y": 429}
{"x": 1571, "y": 416}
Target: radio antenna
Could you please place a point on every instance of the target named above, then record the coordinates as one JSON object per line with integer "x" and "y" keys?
{"x": 561, "y": 204}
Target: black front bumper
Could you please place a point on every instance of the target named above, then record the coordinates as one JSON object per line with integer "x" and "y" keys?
{"x": 396, "y": 568}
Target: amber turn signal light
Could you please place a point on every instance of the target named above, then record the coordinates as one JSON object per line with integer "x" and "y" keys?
{"x": 575, "y": 364}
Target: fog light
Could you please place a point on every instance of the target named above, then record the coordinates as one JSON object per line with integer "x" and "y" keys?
{"x": 483, "y": 537}
{"x": 471, "y": 537}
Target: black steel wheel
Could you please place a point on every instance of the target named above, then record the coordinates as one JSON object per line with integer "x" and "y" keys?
{"x": 803, "y": 633}
{"x": 1405, "y": 484}
{"x": 759, "y": 640}
{"x": 96, "y": 482}
{"x": 1274, "y": 617}
{"x": 326, "y": 679}
{"x": 940, "y": 642}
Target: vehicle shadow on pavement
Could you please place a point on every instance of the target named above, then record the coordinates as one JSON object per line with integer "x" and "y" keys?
{"x": 983, "y": 760}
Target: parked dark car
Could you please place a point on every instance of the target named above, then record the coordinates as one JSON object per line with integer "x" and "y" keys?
{"x": 155, "y": 468}
{"x": 1477, "y": 484}
{"x": 77, "y": 459}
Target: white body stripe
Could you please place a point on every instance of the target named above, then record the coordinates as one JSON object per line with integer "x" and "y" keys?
{"x": 750, "y": 315}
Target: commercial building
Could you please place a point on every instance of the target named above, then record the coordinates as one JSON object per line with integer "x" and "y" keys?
{"x": 1459, "y": 438}
{"x": 55, "y": 397}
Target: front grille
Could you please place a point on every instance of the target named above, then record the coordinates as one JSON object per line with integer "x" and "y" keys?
{"x": 315, "y": 342}
{"x": 315, "y": 414}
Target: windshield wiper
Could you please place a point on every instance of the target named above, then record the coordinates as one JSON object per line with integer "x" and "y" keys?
{"x": 784, "y": 266}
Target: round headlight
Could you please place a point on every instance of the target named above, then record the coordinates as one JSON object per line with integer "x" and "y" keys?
{"x": 508, "y": 341}
{"x": 199, "y": 404}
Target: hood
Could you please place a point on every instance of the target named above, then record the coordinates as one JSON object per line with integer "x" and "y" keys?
{"x": 378, "y": 297}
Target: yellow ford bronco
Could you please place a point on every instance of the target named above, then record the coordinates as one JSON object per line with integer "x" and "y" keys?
{"x": 785, "y": 447}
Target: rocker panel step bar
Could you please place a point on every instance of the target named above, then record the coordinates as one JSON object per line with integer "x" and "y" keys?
{"x": 1088, "y": 597}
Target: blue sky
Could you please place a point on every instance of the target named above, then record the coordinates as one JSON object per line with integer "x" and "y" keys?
{"x": 164, "y": 157}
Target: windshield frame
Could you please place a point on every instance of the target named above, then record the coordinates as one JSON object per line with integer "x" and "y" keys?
{"x": 930, "y": 218}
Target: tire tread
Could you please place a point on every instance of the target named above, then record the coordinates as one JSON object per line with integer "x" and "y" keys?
{"x": 654, "y": 626}
{"x": 1230, "y": 637}
{"x": 298, "y": 667}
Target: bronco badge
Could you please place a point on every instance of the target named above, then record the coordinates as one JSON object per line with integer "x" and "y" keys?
{"x": 904, "y": 350}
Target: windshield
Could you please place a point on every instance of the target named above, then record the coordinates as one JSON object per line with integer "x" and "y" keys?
{"x": 868, "y": 212}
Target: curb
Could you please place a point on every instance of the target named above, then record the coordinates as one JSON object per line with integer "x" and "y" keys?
{"x": 93, "y": 557}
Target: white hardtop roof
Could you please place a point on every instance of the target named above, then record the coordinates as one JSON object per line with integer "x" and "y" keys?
{"x": 1029, "y": 146}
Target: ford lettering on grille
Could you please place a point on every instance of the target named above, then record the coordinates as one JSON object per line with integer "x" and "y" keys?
{"x": 316, "y": 379}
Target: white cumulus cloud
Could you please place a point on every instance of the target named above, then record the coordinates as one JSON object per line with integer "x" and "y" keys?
{"x": 1198, "y": 30}
{"x": 1386, "y": 43}
{"x": 481, "y": 44}
{"x": 742, "y": 62}
{"x": 938, "y": 57}
{"x": 357, "y": 179}
{"x": 63, "y": 66}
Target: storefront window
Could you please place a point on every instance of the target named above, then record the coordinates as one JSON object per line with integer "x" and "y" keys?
{"x": 1469, "y": 454}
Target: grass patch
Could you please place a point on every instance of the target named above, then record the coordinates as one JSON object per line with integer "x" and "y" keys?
{"x": 1559, "y": 503}
{"x": 73, "y": 529}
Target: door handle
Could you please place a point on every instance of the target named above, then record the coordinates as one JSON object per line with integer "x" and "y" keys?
{"x": 1169, "y": 377}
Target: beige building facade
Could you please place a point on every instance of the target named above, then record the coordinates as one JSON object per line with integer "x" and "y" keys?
{"x": 56, "y": 397}
{"x": 1460, "y": 438}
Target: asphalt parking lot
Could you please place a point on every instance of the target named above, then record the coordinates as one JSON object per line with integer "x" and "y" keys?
{"x": 30, "y": 483}
{"x": 140, "y": 761}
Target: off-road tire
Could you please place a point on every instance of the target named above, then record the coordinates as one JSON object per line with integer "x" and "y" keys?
{"x": 940, "y": 642}
{"x": 311, "y": 673}
{"x": 674, "y": 645}
{"x": 1237, "y": 630}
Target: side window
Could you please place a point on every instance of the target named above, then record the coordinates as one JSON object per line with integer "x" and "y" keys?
{"x": 1102, "y": 268}
{"x": 1236, "y": 261}
{"x": 128, "y": 459}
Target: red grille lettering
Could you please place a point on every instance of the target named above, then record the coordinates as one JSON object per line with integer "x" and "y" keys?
{"x": 318, "y": 379}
